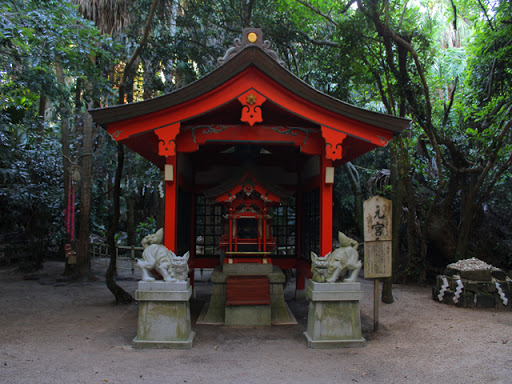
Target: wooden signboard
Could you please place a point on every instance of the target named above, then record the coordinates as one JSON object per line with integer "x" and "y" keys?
{"x": 377, "y": 237}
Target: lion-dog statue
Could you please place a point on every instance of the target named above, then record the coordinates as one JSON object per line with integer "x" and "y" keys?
{"x": 156, "y": 256}
{"x": 334, "y": 266}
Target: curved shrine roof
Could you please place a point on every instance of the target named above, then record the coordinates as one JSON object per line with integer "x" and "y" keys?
{"x": 244, "y": 56}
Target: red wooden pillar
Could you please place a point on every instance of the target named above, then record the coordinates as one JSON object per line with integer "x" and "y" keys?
{"x": 167, "y": 147}
{"x": 171, "y": 204}
{"x": 333, "y": 150}
{"x": 326, "y": 188}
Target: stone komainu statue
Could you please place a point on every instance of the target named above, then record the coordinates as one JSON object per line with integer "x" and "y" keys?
{"x": 156, "y": 256}
{"x": 336, "y": 264}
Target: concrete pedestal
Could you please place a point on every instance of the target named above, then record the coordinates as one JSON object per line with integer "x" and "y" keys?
{"x": 247, "y": 315}
{"x": 334, "y": 319}
{"x": 164, "y": 315}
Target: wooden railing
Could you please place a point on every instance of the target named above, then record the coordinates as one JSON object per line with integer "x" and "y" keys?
{"x": 100, "y": 255}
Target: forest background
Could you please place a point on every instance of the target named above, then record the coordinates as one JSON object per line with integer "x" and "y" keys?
{"x": 446, "y": 65}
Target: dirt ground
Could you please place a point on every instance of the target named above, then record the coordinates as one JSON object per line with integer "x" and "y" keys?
{"x": 60, "y": 332}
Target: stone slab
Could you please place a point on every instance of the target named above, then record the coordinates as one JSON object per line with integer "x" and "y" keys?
{"x": 163, "y": 285}
{"x": 326, "y": 344}
{"x": 211, "y": 316}
{"x": 215, "y": 312}
{"x": 334, "y": 291}
{"x": 154, "y": 295}
{"x": 164, "y": 321}
{"x": 334, "y": 318}
{"x": 479, "y": 275}
{"x": 247, "y": 269}
{"x": 155, "y": 344}
{"x": 248, "y": 315}
{"x": 274, "y": 273}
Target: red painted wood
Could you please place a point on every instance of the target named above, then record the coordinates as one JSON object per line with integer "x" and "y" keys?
{"x": 203, "y": 262}
{"x": 326, "y": 191}
{"x": 310, "y": 142}
{"x": 247, "y": 290}
{"x": 166, "y": 137}
{"x": 285, "y": 263}
{"x": 333, "y": 143}
{"x": 248, "y": 181}
{"x": 244, "y": 260}
{"x": 171, "y": 205}
{"x": 251, "y": 78}
{"x": 211, "y": 262}
{"x": 303, "y": 273}
{"x": 251, "y": 111}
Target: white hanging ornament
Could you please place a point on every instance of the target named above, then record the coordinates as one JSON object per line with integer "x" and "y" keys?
{"x": 161, "y": 189}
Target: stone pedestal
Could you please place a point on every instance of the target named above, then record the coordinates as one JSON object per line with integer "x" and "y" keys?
{"x": 247, "y": 315}
{"x": 164, "y": 315}
{"x": 334, "y": 319}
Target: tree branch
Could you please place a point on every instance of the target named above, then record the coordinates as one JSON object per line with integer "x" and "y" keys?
{"x": 247, "y": 20}
{"x": 454, "y": 15}
{"x": 325, "y": 43}
{"x": 494, "y": 155}
{"x": 447, "y": 111}
{"x": 495, "y": 179}
{"x": 136, "y": 53}
{"x": 327, "y": 17}
{"x": 486, "y": 15}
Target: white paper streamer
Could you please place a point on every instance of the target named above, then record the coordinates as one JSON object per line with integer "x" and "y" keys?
{"x": 444, "y": 287}
{"x": 161, "y": 189}
{"x": 458, "y": 291}
{"x": 502, "y": 294}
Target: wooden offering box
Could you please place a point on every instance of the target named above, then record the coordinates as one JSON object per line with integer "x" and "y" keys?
{"x": 247, "y": 290}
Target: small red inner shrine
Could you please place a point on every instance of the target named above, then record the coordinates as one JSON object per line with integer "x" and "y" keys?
{"x": 247, "y": 235}
{"x": 248, "y": 153}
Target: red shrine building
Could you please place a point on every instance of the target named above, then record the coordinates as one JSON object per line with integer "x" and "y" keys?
{"x": 248, "y": 153}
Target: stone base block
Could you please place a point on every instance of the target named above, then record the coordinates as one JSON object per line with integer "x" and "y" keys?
{"x": 474, "y": 294}
{"x": 247, "y": 269}
{"x": 153, "y": 344}
{"x": 218, "y": 313}
{"x": 164, "y": 315}
{"x": 325, "y": 344}
{"x": 248, "y": 315}
{"x": 334, "y": 319}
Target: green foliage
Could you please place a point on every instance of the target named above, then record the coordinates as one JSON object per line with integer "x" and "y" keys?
{"x": 449, "y": 72}
{"x": 145, "y": 228}
{"x": 30, "y": 190}
{"x": 36, "y": 39}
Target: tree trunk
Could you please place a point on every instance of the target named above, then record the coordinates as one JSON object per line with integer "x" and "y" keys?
{"x": 121, "y": 296}
{"x": 357, "y": 190}
{"x": 414, "y": 262}
{"x": 160, "y": 216}
{"x": 43, "y": 102}
{"x": 130, "y": 219}
{"x": 467, "y": 217}
{"x": 82, "y": 267}
{"x": 397, "y": 175}
{"x": 396, "y": 179}
{"x": 66, "y": 154}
